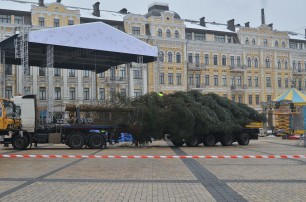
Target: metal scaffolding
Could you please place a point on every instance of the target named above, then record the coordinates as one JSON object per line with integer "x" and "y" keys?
{"x": 139, "y": 79}
{"x": 50, "y": 74}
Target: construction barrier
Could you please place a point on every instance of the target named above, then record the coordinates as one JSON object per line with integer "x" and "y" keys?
{"x": 154, "y": 157}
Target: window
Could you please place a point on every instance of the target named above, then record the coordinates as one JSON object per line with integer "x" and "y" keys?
{"x": 283, "y": 44}
{"x": 197, "y": 59}
{"x": 216, "y": 80}
{"x": 215, "y": 60}
{"x": 8, "y": 69}
{"x": 268, "y": 81}
{"x": 300, "y": 46}
{"x": 123, "y": 92}
{"x": 161, "y": 56}
{"x": 70, "y": 22}
{"x": 168, "y": 33}
{"x": 257, "y": 99}
{"x": 57, "y": 95}
{"x": 256, "y": 81}
{"x": 72, "y": 95}
{"x": 256, "y": 62}
{"x": 5, "y": 18}
{"x": 276, "y": 43}
{"x": 238, "y": 61}
{"x": 269, "y": 98}
{"x": 279, "y": 82}
{"x": 136, "y": 30}
{"x": 169, "y": 57}
{"x": 170, "y": 78}
{"x": 56, "y": 23}
{"x": 267, "y": 63}
{"x": 176, "y": 34}
{"x": 179, "y": 79}
{"x": 247, "y": 41}
{"x": 85, "y": 73}
{"x": 232, "y": 60}
{"x": 112, "y": 93}
{"x": 161, "y": 78}
{"x": 190, "y": 79}
{"x": 265, "y": 42}
{"x": 249, "y": 81}
{"x": 239, "y": 99}
{"x": 207, "y": 80}
{"x": 199, "y": 37}
{"x": 42, "y": 93}
{"x": 293, "y": 64}
{"x": 293, "y": 45}
{"x": 224, "y": 81}
{"x": 239, "y": 80}
{"x": 206, "y": 57}
{"x": 249, "y": 62}
{"x": 178, "y": 58}
{"x": 198, "y": 80}
{"x": 102, "y": 75}
{"x": 250, "y": 100}
{"x": 286, "y": 82}
{"x": 233, "y": 98}
{"x": 122, "y": 73}
{"x": 299, "y": 66}
{"x": 160, "y": 33}
{"x": 113, "y": 73}
{"x": 220, "y": 39}
{"x": 57, "y": 72}
{"x": 188, "y": 36}
{"x": 189, "y": 57}
{"x": 8, "y": 91}
{"x": 18, "y": 19}
{"x": 137, "y": 93}
{"x": 42, "y": 71}
{"x": 224, "y": 60}
{"x": 233, "y": 82}
{"x": 137, "y": 74}
{"x": 253, "y": 41}
{"x": 86, "y": 94}
{"x": 279, "y": 66}
{"x": 41, "y": 21}
{"x": 102, "y": 93}
{"x": 71, "y": 72}
{"x": 229, "y": 39}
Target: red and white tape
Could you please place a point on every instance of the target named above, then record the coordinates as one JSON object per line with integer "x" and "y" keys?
{"x": 154, "y": 157}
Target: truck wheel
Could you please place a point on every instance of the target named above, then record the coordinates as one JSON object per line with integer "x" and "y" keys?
{"x": 192, "y": 142}
{"x": 76, "y": 141}
{"x": 177, "y": 143}
{"x": 20, "y": 143}
{"x": 96, "y": 141}
{"x": 227, "y": 140}
{"x": 209, "y": 140}
{"x": 244, "y": 139}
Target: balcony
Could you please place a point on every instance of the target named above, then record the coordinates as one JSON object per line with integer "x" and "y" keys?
{"x": 196, "y": 86}
{"x": 239, "y": 88}
{"x": 298, "y": 71}
{"x": 196, "y": 66}
{"x": 235, "y": 68}
{"x": 115, "y": 79}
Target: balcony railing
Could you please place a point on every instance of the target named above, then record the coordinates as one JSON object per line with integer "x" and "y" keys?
{"x": 196, "y": 66}
{"x": 236, "y": 68}
{"x": 115, "y": 79}
{"x": 298, "y": 71}
{"x": 196, "y": 86}
{"x": 239, "y": 88}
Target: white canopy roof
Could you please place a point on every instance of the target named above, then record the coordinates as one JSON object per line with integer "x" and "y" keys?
{"x": 94, "y": 36}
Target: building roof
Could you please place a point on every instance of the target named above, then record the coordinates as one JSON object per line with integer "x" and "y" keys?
{"x": 209, "y": 26}
{"x": 296, "y": 36}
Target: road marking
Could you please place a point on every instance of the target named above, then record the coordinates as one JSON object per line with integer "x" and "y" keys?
{"x": 155, "y": 157}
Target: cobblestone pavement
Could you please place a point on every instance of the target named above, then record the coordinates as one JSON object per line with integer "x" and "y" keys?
{"x": 24, "y": 179}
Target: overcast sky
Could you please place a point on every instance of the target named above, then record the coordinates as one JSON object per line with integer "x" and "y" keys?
{"x": 284, "y": 14}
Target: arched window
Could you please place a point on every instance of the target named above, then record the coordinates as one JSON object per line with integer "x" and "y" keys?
{"x": 247, "y": 41}
{"x": 279, "y": 66}
{"x": 265, "y": 42}
{"x": 178, "y": 58}
{"x": 286, "y": 64}
{"x": 253, "y": 41}
{"x": 267, "y": 63}
{"x": 169, "y": 57}
{"x": 177, "y": 35}
{"x": 283, "y": 44}
{"x": 256, "y": 62}
{"x": 168, "y": 33}
{"x": 293, "y": 64}
{"x": 249, "y": 62}
{"x": 299, "y": 66}
{"x": 160, "y": 33}
{"x": 276, "y": 43}
{"x": 161, "y": 56}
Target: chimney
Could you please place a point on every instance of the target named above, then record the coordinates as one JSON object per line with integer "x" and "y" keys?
{"x": 247, "y": 24}
{"x": 96, "y": 9}
{"x": 202, "y": 21}
{"x": 263, "y": 20}
{"x": 271, "y": 26}
{"x": 231, "y": 25}
{"x": 123, "y": 11}
{"x": 41, "y": 3}
{"x": 58, "y": 1}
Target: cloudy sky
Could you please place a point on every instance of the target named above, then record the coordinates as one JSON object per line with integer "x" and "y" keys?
{"x": 284, "y": 14}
